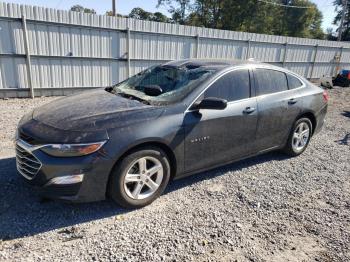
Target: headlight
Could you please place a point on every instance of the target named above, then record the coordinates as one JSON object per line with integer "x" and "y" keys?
{"x": 25, "y": 118}
{"x": 70, "y": 150}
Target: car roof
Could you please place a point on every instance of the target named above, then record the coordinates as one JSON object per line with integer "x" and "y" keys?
{"x": 223, "y": 64}
{"x": 212, "y": 63}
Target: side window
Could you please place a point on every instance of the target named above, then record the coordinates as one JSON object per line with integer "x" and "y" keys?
{"x": 232, "y": 86}
{"x": 270, "y": 81}
{"x": 293, "y": 82}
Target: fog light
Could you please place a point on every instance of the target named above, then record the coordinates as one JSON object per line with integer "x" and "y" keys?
{"x": 66, "y": 180}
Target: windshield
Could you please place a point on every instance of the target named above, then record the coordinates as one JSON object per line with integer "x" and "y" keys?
{"x": 173, "y": 83}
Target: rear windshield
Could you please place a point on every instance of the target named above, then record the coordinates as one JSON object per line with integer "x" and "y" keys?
{"x": 175, "y": 83}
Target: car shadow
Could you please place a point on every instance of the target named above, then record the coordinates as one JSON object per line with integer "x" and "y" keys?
{"x": 215, "y": 172}
{"x": 346, "y": 114}
{"x": 23, "y": 213}
{"x": 344, "y": 141}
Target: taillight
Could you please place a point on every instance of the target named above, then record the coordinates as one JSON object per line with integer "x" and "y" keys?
{"x": 325, "y": 96}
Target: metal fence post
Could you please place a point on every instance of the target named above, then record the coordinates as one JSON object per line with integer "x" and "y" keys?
{"x": 285, "y": 54}
{"x": 197, "y": 46}
{"x": 314, "y": 61}
{"x": 128, "y": 51}
{"x": 28, "y": 60}
{"x": 248, "y": 49}
{"x": 337, "y": 67}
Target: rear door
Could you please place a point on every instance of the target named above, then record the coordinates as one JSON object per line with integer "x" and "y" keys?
{"x": 218, "y": 136}
{"x": 278, "y": 107}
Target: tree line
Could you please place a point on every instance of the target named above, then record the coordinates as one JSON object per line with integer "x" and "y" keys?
{"x": 253, "y": 16}
{"x": 346, "y": 26}
{"x": 296, "y": 18}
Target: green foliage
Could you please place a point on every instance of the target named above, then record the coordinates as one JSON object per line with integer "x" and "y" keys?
{"x": 139, "y": 13}
{"x": 81, "y": 9}
{"x": 250, "y": 16}
{"x": 337, "y": 19}
{"x": 241, "y": 15}
{"x": 110, "y": 13}
{"x": 178, "y": 9}
{"x": 330, "y": 34}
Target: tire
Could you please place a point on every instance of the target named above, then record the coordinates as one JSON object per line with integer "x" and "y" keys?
{"x": 291, "y": 147}
{"x": 132, "y": 184}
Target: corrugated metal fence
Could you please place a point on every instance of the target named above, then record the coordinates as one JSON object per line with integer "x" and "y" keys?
{"x": 57, "y": 52}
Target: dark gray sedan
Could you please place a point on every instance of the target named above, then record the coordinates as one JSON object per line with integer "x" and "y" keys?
{"x": 169, "y": 121}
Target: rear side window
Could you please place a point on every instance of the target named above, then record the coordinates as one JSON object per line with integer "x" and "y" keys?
{"x": 231, "y": 86}
{"x": 293, "y": 82}
{"x": 270, "y": 81}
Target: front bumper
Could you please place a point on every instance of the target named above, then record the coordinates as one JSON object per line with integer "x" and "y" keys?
{"x": 42, "y": 171}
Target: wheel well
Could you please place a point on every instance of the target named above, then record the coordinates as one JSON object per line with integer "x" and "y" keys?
{"x": 169, "y": 153}
{"x": 312, "y": 118}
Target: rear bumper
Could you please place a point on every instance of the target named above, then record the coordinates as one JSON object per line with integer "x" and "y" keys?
{"x": 94, "y": 170}
{"x": 320, "y": 119}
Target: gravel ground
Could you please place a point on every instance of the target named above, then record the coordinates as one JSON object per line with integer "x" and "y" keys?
{"x": 268, "y": 208}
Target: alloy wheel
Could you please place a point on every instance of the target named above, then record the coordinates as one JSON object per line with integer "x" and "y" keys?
{"x": 143, "y": 178}
{"x": 301, "y": 136}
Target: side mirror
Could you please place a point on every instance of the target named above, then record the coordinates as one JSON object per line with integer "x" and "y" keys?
{"x": 153, "y": 90}
{"x": 211, "y": 103}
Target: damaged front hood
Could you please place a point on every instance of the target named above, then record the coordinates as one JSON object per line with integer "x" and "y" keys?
{"x": 38, "y": 133}
{"x": 94, "y": 110}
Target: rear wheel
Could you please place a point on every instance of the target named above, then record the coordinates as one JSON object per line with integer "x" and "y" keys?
{"x": 140, "y": 178}
{"x": 299, "y": 137}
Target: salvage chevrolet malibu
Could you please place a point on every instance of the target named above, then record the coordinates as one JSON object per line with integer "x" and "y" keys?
{"x": 128, "y": 140}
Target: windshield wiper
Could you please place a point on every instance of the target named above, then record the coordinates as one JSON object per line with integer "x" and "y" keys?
{"x": 129, "y": 96}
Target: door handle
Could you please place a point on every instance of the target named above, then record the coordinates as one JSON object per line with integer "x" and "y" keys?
{"x": 249, "y": 110}
{"x": 292, "y": 101}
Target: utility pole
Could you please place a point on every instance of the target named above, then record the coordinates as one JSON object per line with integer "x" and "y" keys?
{"x": 345, "y": 7}
{"x": 114, "y": 7}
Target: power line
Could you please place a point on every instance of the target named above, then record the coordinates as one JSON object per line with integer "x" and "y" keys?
{"x": 289, "y": 6}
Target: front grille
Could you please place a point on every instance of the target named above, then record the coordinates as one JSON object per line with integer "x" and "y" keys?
{"x": 27, "y": 164}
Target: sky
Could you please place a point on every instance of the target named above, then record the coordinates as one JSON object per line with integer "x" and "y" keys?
{"x": 124, "y": 6}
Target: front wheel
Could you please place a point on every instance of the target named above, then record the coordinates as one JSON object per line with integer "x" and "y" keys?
{"x": 299, "y": 137}
{"x": 140, "y": 178}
